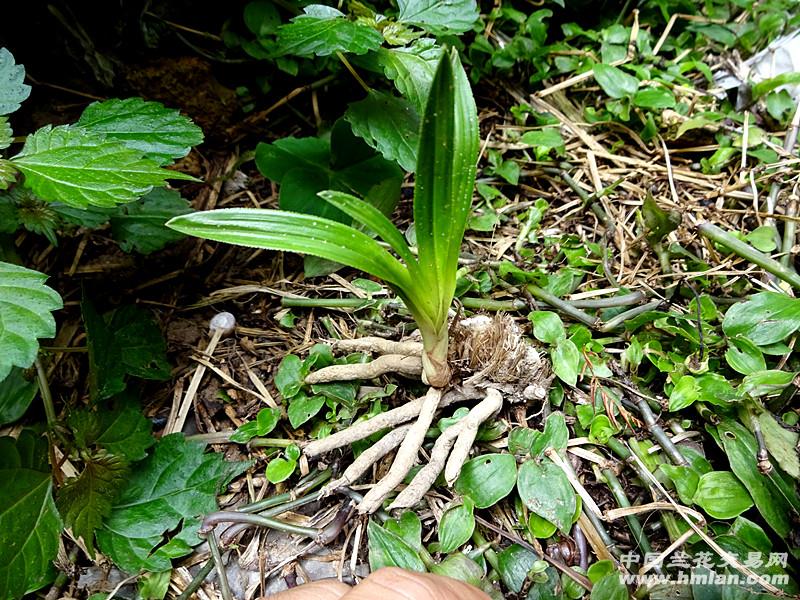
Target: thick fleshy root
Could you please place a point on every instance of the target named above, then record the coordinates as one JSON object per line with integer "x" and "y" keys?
{"x": 406, "y": 454}
{"x": 389, "y": 419}
{"x": 408, "y": 366}
{"x": 378, "y": 346}
{"x": 459, "y": 437}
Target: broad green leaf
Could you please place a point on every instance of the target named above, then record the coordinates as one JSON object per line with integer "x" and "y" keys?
{"x": 438, "y": 17}
{"x": 261, "y": 17}
{"x": 566, "y": 361}
{"x": 654, "y": 98}
{"x": 456, "y": 526}
{"x": 120, "y": 428}
{"x": 323, "y": 31}
{"x": 267, "y": 419}
{"x": 685, "y": 479}
{"x": 547, "y": 326}
{"x": 685, "y": 392}
{"x": 411, "y": 69}
{"x": 81, "y": 168}
{"x": 156, "y": 132}
{"x": 610, "y": 587}
{"x": 84, "y": 501}
{"x": 408, "y": 527}
{"x": 141, "y": 225}
{"x": 744, "y": 357}
{"x": 545, "y": 490}
{"x": 487, "y": 479}
{"x": 521, "y": 440}
{"x": 174, "y": 485}
{"x": 290, "y": 375}
{"x": 762, "y": 238}
{"x": 459, "y": 566}
{"x": 295, "y": 232}
{"x": 125, "y": 341}
{"x": 740, "y": 447}
{"x": 302, "y": 408}
{"x": 388, "y": 124}
{"x": 154, "y": 586}
{"x": 614, "y": 81}
{"x": 751, "y": 534}
{"x": 28, "y": 519}
{"x": 721, "y": 495}
{"x": 555, "y": 435}
{"x": 781, "y": 443}
{"x": 543, "y": 141}
{"x": 601, "y": 429}
{"x": 13, "y": 90}
{"x": 16, "y": 395}
{"x": 304, "y": 167}
{"x": 280, "y": 469}
{"x": 25, "y": 307}
{"x": 513, "y": 565}
{"x": 539, "y": 527}
{"x": 766, "y": 383}
{"x": 764, "y": 319}
{"x": 387, "y": 549}
{"x": 445, "y": 179}
{"x": 6, "y": 134}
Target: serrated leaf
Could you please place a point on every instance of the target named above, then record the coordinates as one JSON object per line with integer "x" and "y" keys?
{"x": 25, "y": 306}
{"x": 411, "y": 69}
{"x": 8, "y": 173}
{"x": 168, "y": 491}
{"x": 6, "y": 133}
{"x": 388, "y": 124}
{"x": 439, "y": 16}
{"x": 125, "y": 341}
{"x": 121, "y": 428}
{"x": 84, "y": 501}
{"x": 16, "y": 395}
{"x": 155, "y": 131}
{"x": 28, "y": 519}
{"x": 13, "y": 90}
{"x": 141, "y": 225}
{"x": 82, "y": 168}
{"x": 325, "y": 32}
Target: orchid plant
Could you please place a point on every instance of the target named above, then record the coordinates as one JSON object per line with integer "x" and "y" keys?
{"x": 445, "y": 178}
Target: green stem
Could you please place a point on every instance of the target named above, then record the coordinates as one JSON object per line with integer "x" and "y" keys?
{"x": 216, "y": 556}
{"x": 622, "y": 317}
{"x": 562, "y": 305}
{"x": 197, "y": 581}
{"x": 789, "y": 234}
{"x": 229, "y": 516}
{"x": 47, "y": 396}
{"x": 490, "y": 554}
{"x": 633, "y": 521}
{"x": 302, "y": 487}
{"x": 746, "y": 251}
{"x": 259, "y": 442}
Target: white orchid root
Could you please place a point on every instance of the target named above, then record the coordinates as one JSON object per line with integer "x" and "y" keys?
{"x": 460, "y": 437}
{"x": 408, "y": 366}
{"x": 378, "y": 346}
{"x": 406, "y": 455}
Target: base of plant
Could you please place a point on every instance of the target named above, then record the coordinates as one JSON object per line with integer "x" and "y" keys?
{"x": 492, "y": 360}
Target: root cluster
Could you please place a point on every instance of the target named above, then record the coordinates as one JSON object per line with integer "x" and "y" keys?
{"x": 491, "y": 358}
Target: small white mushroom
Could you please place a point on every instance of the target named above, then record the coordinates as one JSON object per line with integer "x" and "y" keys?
{"x": 221, "y": 325}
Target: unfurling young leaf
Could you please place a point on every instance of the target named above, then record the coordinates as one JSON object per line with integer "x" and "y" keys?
{"x": 84, "y": 501}
{"x": 25, "y": 306}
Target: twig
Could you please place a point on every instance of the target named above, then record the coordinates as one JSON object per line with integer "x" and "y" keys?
{"x": 216, "y": 556}
{"x": 562, "y": 305}
{"x": 196, "y": 581}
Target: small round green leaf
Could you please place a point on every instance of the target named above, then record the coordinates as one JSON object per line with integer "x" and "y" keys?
{"x": 547, "y": 326}
{"x": 545, "y": 490}
{"x": 566, "y": 361}
{"x": 684, "y": 393}
{"x": 280, "y": 469}
{"x": 487, "y": 479}
{"x": 721, "y": 495}
{"x": 456, "y": 526}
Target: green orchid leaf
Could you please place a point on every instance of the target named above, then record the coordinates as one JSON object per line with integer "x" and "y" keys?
{"x": 13, "y": 90}
{"x": 295, "y": 232}
{"x": 487, "y": 479}
{"x": 388, "y": 124}
{"x": 545, "y": 490}
{"x": 25, "y": 307}
{"x": 764, "y": 319}
{"x": 721, "y": 495}
{"x": 456, "y": 526}
{"x": 387, "y": 549}
{"x": 323, "y": 31}
{"x": 614, "y": 81}
{"x": 445, "y": 178}
{"x": 82, "y": 168}
{"x": 156, "y": 132}
{"x": 453, "y": 16}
